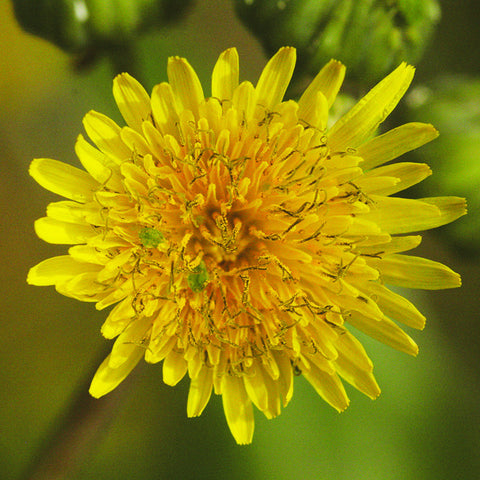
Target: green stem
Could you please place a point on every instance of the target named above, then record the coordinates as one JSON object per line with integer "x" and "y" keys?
{"x": 79, "y": 431}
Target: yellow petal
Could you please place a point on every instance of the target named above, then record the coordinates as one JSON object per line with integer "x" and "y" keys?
{"x": 394, "y": 143}
{"x": 58, "y": 269}
{"x": 354, "y": 365}
{"x": 256, "y": 387}
{"x": 97, "y": 164}
{"x": 365, "y": 117}
{"x": 329, "y": 387}
{"x": 88, "y": 254}
{"x": 107, "y": 378}
{"x": 115, "y": 266}
{"x": 199, "y": 392}
{"x": 348, "y": 346}
{"x": 358, "y": 303}
{"x": 393, "y": 245}
{"x": 396, "y": 307}
{"x": 403, "y": 215}
{"x": 73, "y": 212}
{"x": 450, "y": 208}
{"x": 105, "y": 134}
{"x": 133, "y": 337}
{"x": 406, "y": 173}
{"x": 363, "y": 381}
{"x": 195, "y": 361}
{"x": 245, "y": 100}
{"x": 315, "y": 113}
{"x": 274, "y": 405}
{"x": 118, "y": 319}
{"x": 63, "y": 179}
{"x": 164, "y": 109}
{"x": 285, "y": 379}
{"x": 238, "y": 409}
{"x": 376, "y": 184}
{"x": 275, "y": 77}
{"x": 156, "y": 144}
{"x": 135, "y": 142}
{"x": 160, "y": 346}
{"x": 119, "y": 293}
{"x": 83, "y": 287}
{"x": 402, "y": 243}
{"x": 363, "y": 226}
{"x": 174, "y": 368}
{"x": 384, "y": 331}
{"x": 185, "y": 84}
{"x": 328, "y": 81}
{"x": 132, "y": 100}
{"x": 58, "y": 232}
{"x": 415, "y": 272}
{"x": 225, "y": 75}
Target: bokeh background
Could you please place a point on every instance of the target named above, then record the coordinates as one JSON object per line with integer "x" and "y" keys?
{"x": 426, "y": 423}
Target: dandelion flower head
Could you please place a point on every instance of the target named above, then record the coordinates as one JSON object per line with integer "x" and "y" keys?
{"x": 240, "y": 237}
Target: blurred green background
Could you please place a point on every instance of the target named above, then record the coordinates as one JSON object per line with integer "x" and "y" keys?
{"x": 426, "y": 423}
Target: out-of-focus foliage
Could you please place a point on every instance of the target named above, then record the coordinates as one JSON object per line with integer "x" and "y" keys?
{"x": 370, "y": 36}
{"x": 77, "y": 25}
{"x": 452, "y": 104}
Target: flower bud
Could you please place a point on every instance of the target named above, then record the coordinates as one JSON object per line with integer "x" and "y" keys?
{"x": 451, "y": 104}
{"x": 77, "y": 25}
{"x": 370, "y": 36}
{"x": 62, "y": 22}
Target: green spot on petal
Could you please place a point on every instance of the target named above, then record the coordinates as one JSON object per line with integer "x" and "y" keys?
{"x": 198, "y": 279}
{"x": 150, "y": 237}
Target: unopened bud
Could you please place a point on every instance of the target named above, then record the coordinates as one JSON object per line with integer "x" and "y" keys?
{"x": 77, "y": 25}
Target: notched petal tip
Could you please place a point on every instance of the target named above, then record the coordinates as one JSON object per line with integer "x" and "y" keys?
{"x": 431, "y": 128}
{"x": 395, "y": 142}
{"x": 55, "y": 270}
{"x": 287, "y": 50}
{"x": 328, "y": 81}
{"x": 185, "y": 83}
{"x": 107, "y": 378}
{"x": 105, "y": 134}
{"x": 238, "y": 409}
{"x": 456, "y": 280}
{"x": 225, "y": 75}
{"x": 33, "y": 168}
{"x": 365, "y": 117}
{"x": 450, "y": 208}
{"x": 33, "y": 278}
{"x": 63, "y": 179}
{"x": 176, "y": 58}
{"x": 132, "y": 100}
{"x": 275, "y": 77}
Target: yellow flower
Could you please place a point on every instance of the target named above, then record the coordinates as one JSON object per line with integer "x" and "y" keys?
{"x": 239, "y": 237}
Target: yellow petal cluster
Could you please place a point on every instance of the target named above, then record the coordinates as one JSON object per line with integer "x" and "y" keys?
{"x": 238, "y": 236}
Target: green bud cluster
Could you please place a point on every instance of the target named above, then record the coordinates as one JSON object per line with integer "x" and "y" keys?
{"x": 78, "y": 25}
{"x": 371, "y": 37}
